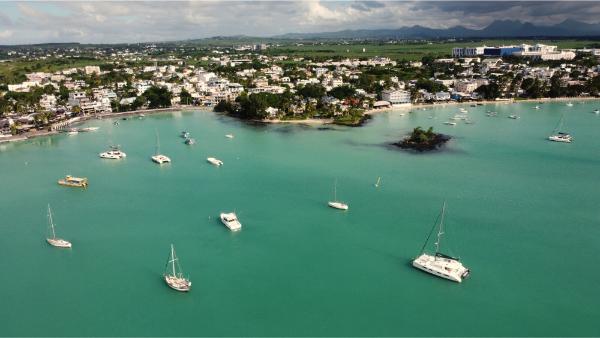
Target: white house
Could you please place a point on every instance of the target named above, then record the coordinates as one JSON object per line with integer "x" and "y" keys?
{"x": 396, "y": 97}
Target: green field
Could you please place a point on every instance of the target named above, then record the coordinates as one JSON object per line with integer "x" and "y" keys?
{"x": 14, "y": 71}
{"x": 403, "y": 51}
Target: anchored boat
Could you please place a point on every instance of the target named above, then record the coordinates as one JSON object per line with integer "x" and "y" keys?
{"x": 231, "y": 221}
{"x": 72, "y": 181}
{"x": 55, "y": 241}
{"x": 174, "y": 274}
{"x": 335, "y": 203}
{"x": 440, "y": 264}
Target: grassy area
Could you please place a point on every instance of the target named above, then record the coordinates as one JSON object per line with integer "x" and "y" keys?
{"x": 404, "y": 51}
{"x": 14, "y": 71}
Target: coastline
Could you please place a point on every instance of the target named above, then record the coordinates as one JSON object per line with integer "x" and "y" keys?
{"x": 46, "y": 132}
{"x": 418, "y": 106}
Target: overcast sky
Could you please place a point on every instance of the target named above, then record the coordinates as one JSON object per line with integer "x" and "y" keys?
{"x": 135, "y": 21}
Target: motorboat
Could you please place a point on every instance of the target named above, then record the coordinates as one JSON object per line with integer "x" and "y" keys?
{"x": 173, "y": 275}
{"x": 190, "y": 141}
{"x": 439, "y": 264}
{"x": 514, "y": 117}
{"x": 597, "y": 111}
{"x": 229, "y": 135}
{"x": 73, "y": 131}
{"x": 536, "y": 107}
{"x": 214, "y": 161}
{"x": 231, "y": 221}
{"x": 88, "y": 129}
{"x": 450, "y": 123}
{"x": 113, "y": 154}
{"x": 72, "y": 181}
{"x": 569, "y": 104}
{"x": 185, "y": 134}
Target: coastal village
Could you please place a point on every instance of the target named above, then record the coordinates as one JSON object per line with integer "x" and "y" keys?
{"x": 254, "y": 82}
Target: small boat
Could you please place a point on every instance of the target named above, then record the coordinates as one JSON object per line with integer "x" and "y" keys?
{"x": 335, "y": 203}
{"x": 229, "y": 135}
{"x": 231, "y": 221}
{"x": 536, "y": 107}
{"x": 190, "y": 141}
{"x": 450, "y": 123}
{"x": 185, "y": 134}
{"x": 174, "y": 274}
{"x": 116, "y": 123}
{"x": 491, "y": 113}
{"x": 124, "y": 119}
{"x": 54, "y": 241}
{"x": 158, "y": 158}
{"x": 73, "y": 131}
{"x": 558, "y": 135}
{"x": 87, "y": 129}
{"x": 215, "y": 161}
{"x": 439, "y": 264}
{"x": 71, "y": 181}
{"x": 514, "y": 117}
{"x": 377, "y": 183}
{"x": 142, "y": 115}
{"x": 597, "y": 111}
{"x": 569, "y": 104}
{"x": 463, "y": 110}
{"x": 113, "y": 154}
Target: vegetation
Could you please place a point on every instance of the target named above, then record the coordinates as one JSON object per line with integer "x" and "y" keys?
{"x": 423, "y": 140}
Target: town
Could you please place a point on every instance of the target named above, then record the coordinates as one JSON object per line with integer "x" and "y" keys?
{"x": 263, "y": 82}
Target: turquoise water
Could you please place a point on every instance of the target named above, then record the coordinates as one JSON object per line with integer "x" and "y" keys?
{"x": 523, "y": 215}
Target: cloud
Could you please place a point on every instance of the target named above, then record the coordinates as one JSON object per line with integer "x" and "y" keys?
{"x": 136, "y": 21}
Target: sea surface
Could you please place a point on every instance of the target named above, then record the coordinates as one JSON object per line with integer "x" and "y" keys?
{"x": 523, "y": 213}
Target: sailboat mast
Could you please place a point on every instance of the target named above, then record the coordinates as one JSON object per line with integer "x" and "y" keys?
{"x": 51, "y": 222}
{"x": 441, "y": 230}
{"x": 173, "y": 259}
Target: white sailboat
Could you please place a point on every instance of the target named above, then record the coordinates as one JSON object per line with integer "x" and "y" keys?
{"x": 335, "y": 203}
{"x": 378, "y": 181}
{"x": 158, "y": 158}
{"x": 54, "y": 241}
{"x": 558, "y": 135}
{"x": 174, "y": 274}
{"x": 439, "y": 264}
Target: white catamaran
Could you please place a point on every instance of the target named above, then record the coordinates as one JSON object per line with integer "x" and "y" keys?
{"x": 439, "y": 264}
{"x": 558, "y": 135}
{"x": 174, "y": 274}
{"x": 158, "y": 158}
{"x": 54, "y": 241}
{"x": 335, "y": 203}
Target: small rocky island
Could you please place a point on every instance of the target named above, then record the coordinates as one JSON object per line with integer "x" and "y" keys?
{"x": 423, "y": 140}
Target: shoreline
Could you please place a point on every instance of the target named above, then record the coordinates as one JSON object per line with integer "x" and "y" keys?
{"x": 313, "y": 121}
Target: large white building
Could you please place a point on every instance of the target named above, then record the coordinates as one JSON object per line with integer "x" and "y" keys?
{"x": 461, "y": 52}
{"x": 396, "y": 97}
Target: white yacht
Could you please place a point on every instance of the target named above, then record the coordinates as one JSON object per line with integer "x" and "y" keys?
{"x": 73, "y": 131}
{"x": 229, "y": 135}
{"x": 231, "y": 221}
{"x": 158, "y": 158}
{"x": 335, "y": 203}
{"x": 514, "y": 117}
{"x": 113, "y": 154}
{"x": 54, "y": 241}
{"x": 463, "y": 110}
{"x": 87, "y": 129}
{"x": 558, "y": 135}
{"x": 215, "y": 161}
{"x": 450, "y": 123}
{"x": 569, "y": 104}
{"x": 439, "y": 264}
{"x": 174, "y": 274}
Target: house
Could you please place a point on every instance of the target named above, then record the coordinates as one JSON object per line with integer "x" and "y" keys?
{"x": 272, "y": 112}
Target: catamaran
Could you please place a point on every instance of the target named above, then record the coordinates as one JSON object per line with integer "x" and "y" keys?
{"x": 231, "y": 221}
{"x": 439, "y": 264}
{"x": 113, "y": 154}
{"x": 158, "y": 158}
{"x": 54, "y": 241}
{"x": 558, "y": 135}
{"x": 174, "y": 274}
{"x": 335, "y": 203}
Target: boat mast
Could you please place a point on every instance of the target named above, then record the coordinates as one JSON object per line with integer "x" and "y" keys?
{"x": 441, "y": 230}
{"x": 50, "y": 220}
{"x": 173, "y": 259}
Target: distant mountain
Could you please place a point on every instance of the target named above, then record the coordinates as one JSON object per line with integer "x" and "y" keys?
{"x": 497, "y": 29}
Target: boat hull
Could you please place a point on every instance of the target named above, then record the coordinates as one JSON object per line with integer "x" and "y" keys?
{"x": 59, "y": 243}
{"x": 231, "y": 225}
{"x": 338, "y": 205}
{"x": 178, "y": 284}
{"x": 445, "y": 268}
